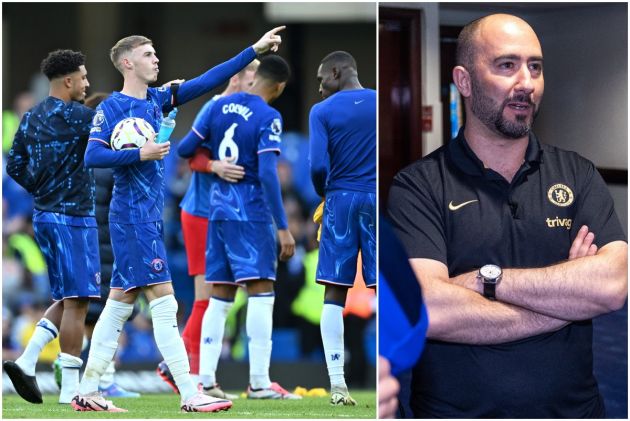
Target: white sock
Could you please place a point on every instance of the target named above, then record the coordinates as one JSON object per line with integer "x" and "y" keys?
{"x": 171, "y": 344}
{"x": 107, "y": 379}
{"x": 259, "y": 324}
{"x": 104, "y": 343}
{"x": 70, "y": 366}
{"x": 331, "y": 326}
{"x": 45, "y": 331}
{"x": 211, "y": 342}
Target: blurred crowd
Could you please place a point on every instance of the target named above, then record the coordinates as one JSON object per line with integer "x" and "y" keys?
{"x": 299, "y": 300}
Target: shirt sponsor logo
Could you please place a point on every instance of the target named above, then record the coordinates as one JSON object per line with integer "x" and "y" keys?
{"x": 453, "y": 207}
{"x": 559, "y": 222}
{"x": 560, "y": 195}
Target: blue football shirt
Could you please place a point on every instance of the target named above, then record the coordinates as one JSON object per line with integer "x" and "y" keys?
{"x": 343, "y": 135}
{"x": 196, "y": 201}
{"x": 46, "y": 157}
{"x": 241, "y": 125}
{"x": 138, "y": 194}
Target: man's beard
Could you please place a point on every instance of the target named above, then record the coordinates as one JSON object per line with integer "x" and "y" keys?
{"x": 491, "y": 114}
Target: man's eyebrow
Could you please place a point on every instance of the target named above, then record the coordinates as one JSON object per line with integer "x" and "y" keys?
{"x": 517, "y": 57}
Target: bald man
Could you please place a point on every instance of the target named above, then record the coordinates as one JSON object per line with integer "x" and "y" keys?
{"x": 516, "y": 243}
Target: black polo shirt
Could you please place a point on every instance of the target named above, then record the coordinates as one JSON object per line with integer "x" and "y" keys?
{"x": 449, "y": 208}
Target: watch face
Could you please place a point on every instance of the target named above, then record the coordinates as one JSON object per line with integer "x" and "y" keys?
{"x": 490, "y": 272}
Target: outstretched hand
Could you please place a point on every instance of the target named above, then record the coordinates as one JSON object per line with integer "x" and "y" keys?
{"x": 269, "y": 41}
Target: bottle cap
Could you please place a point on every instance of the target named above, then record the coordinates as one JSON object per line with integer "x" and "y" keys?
{"x": 173, "y": 113}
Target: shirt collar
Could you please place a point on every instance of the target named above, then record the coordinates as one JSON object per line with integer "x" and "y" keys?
{"x": 466, "y": 160}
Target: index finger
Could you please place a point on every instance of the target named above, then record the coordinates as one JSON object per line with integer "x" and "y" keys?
{"x": 276, "y": 29}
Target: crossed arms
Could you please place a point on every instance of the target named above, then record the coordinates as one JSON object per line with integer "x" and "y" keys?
{"x": 529, "y": 301}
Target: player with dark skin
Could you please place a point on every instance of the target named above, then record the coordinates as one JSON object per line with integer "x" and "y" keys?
{"x": 333, "y": 78}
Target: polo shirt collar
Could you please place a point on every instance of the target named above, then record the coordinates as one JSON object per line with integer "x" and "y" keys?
{"x": 466, "y": 160}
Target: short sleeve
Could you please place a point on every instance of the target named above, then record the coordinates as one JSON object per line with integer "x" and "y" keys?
{"x": 270, "y": 134}
{"x": 596, "y": 209}
{"x": 416, "y": 216}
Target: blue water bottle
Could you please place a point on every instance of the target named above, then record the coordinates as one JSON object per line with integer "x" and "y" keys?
{"x": 167, "y": 127}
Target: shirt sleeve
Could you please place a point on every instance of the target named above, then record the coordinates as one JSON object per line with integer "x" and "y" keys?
{"x": 318, "y": 153}
{"x": 416, "y": 216}
{"x": 189, "y": 144}
{"x": 214, "y": 77}
{"x": 82, "y": 116}
{"x": 271, "y": 134}
{"x": 201, "y": 125}
{"x": 99, "y": 155}
{"x": 163, "y": 96}
{"x": 102, "y": 125}
{"x": 18, "y": 159}
{"x": 596, "y": 209}
{"x": 268, "y": 175}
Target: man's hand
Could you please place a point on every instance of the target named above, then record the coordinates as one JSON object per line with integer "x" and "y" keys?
{"x": 152, "y": 151}
{"x": 388, "y": 388}
{"x": 228, "y": 171}
{"x": 287, "y": 244}
{"x": 178, "y": 81}
{"x": 269, "y": 41}
{"x": 583, "y": 244}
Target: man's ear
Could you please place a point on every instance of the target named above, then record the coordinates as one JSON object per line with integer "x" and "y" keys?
{"x": 126, "y": 63}
{"x": 461, "y": 78}
{"x": 280, "y": 88}
{"x": 336, "y": 72}
{"x": 67, "y": 82}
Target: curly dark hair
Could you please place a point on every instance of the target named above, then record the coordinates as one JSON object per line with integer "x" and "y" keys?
{"x": 61, "y": 63}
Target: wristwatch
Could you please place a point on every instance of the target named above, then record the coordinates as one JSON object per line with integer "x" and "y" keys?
{"x": 490, "y": 276}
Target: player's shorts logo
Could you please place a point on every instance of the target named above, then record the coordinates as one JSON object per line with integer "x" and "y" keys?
{"x": 157, "y": 265}
{"x": 97, "y": 278}
{"x": 560, "y": 195}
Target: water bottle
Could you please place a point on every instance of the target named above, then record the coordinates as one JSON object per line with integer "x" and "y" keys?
{"x": 167, "y": 127}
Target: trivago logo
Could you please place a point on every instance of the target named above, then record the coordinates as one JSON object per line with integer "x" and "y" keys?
{"x": 559, "y": 222}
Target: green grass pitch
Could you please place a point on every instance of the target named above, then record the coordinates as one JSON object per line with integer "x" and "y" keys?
{"x": 167, "y": 406}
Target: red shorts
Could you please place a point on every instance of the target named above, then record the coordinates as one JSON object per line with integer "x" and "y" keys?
{"x": 195, "y": 229}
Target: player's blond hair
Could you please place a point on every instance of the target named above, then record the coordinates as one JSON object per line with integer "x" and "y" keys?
{"x": 124, "y": 46}
{"x": 251, "y": 67}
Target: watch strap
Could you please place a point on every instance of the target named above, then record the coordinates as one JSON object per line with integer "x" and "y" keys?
{"x": 489, "y": 290}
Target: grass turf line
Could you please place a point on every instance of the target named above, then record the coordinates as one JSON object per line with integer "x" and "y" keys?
{"x": 167, "y": 406}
